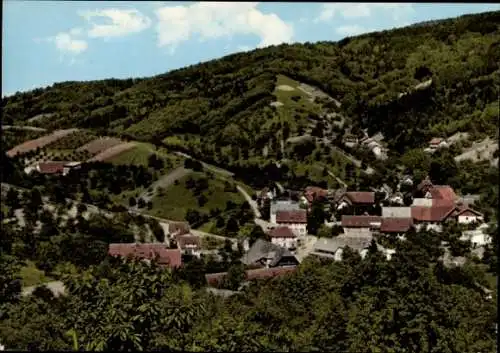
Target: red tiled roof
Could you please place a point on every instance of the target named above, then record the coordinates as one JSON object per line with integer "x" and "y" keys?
{"x": 395, "y": 225}
{"x": 361, "y": 197}
{"x": 313, "y": 192}
{"x": 185, "y": 240}
{"x": 260, "y": 273}
{"x": 443, "y": 192}
{"x": 436, "y": 141}
{"x": 51, "y": 167}
{"x": 430, "y": 214}
{"x": 295, "y": 216}
{"x": 442, "y": 203}
{"x": 359, "y": 221}
{"x": 460, "y": 210}
{"x": 281, "y": 232}
{"x": 168, "y": 257}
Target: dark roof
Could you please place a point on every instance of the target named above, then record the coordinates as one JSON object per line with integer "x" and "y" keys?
{"x": 260, "y": 273}
{"x": 261, "y": 250}
{"x": 293, "y": 216}
{"x": 51, "y": 167}
{"x": 358, "y": 221}
{"x": 395, "y": 225}
{"x": 430, "y": 214}
{"x": 167, "y": 257}
{"x": 178, "y": 227}
{"x": 281, "y": 232}
{"x": 443, "y": 192}
{"x": 361, "y": 197}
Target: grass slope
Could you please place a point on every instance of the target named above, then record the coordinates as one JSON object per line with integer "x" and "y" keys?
{"x": 177, "y": 199}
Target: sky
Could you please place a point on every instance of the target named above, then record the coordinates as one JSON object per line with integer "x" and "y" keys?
{"x": 52, "y": 41}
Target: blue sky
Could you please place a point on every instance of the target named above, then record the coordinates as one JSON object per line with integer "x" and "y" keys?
{"x": 52, "y": 41}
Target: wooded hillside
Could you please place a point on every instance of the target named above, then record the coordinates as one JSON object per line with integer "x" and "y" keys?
{"x": 225, "y": 102}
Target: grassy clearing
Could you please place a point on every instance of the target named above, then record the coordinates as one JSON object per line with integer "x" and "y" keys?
{"x": 177, "y": 199}
{"x": 31, "y": 276}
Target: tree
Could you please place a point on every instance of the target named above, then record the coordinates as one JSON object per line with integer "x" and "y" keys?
{"x": 235, "y": 275}
{"x": 141, "y": 203}
{"x": 193, "y": 216}
{"x": 316, "y": 218}
{"x": 131, "y": 201}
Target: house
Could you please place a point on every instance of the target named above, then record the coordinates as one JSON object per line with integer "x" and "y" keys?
{"x": 441, "y": 192}
{"x": 71, "y": 166}
{"x": 282, "y": 205}
{"x": 396, "y": 226}
{"x": 396, "y": 212}
{"x": 333, "y": 247}
{"x": 463, "y": 214}
{"x": 267, "y": 254}
{"x": 360, "y": 225}
{"x": 166, "y": 257}
{"x": 356, "y": 199}
{"x": 296, "y": 220}
{"x": 437, "y": 142}
{"x": 430, "y": 217}
{"x": 350, "y": 141}
{"x": 189, "y": 244}
{"x": 178, "y": 228}
{"x": 214, "y": 279}
{"x": 313, "y": 193}
{"x": 423, "y": 202}
{"x": 49, "y": 167}
{"x": 478, "y": 238}
{"x": 284, "y": 237}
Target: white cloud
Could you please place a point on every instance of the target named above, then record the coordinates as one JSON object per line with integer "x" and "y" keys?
{"x": 210, "y": 20}
{"x": 123, "y": 22}
{"x": 397, "y": 11}
{"x": 351, "y": 30}
{"x": 66, "y": 43}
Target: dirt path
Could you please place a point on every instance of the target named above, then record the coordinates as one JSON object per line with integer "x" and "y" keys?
{"x": 18, "y": 127}
{"x": 252, "y": 203}
{"x": 340, "y": 181}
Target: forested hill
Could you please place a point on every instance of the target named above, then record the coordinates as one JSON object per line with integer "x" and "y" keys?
{"x": 226, "y": 102}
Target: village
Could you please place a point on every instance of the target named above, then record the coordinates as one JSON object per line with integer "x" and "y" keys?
{"x": 360, "y": 216}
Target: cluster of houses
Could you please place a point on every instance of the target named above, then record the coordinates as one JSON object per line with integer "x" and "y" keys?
{"x": 373, "y": 143}
{"x": 360, "y": 221}
{"x": 355, "y": 215}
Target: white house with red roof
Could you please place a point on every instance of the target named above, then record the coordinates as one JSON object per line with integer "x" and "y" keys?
{"x": 296, "y": 220}
{"x": 284, "y": 237}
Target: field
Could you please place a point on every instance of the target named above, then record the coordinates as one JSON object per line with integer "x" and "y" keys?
{"x": 177, "y": 199}
{"x": 73, "y": 141}
{"x": 99, "y": 145}
{"x": 40, "y": 142}
{"x": 140, "y": 153}
{"x": 112, "y": 152}
{"x": 13, "y": 137}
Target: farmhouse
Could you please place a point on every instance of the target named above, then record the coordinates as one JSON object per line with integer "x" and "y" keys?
{"x": 166, "y": 257}
{"x": 266, "y": 254}
{"x": 296, "y": 220}
{"x": 334, "y": 247}
{"x": 360, "y": 225}
{"x": 189, "y": 244}
{"x": 313, "y": 193}
{"x": 395, "y": 226}
{"x": 284, "y": 237}
{"x": 282, "y": 205}
{"x": 358, "y": 200}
